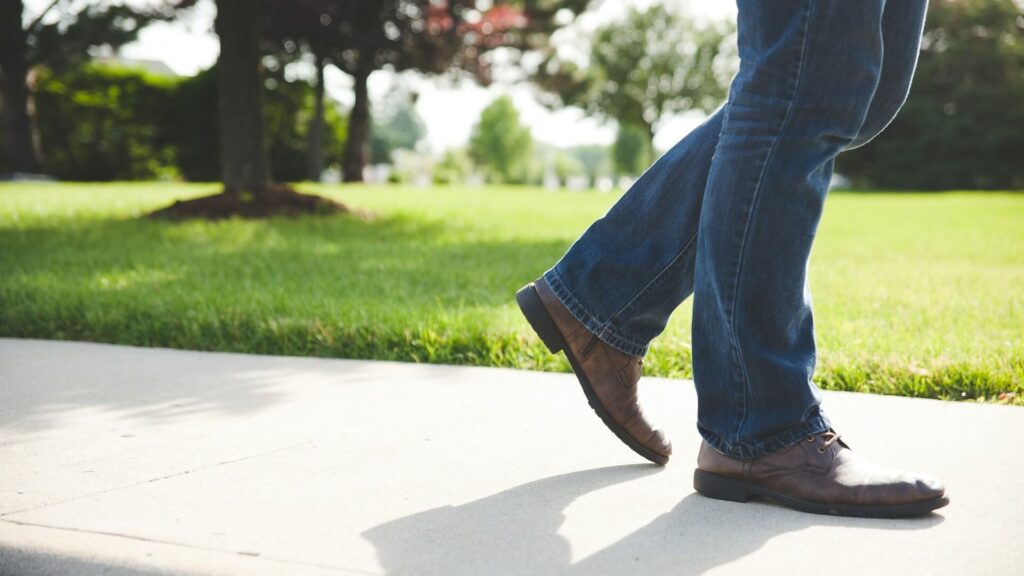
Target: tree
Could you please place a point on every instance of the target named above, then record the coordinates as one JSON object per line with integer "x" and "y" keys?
{"x": 455, "y": 166}
{"x": 58, "y": 44}
{"x": 566, "y": 166}
{"x": 399, "y": 127}
{"x": 631, "y": 151}
{"x": 500, "y": 142}
{"x": 656, "y": 62}
{"x": 245, "y": 173}
{"x": 961, "y": 126}
{"x": 595, "y": 158}
{"x": 101, "y": 122}
{"x": 430, "y": 36}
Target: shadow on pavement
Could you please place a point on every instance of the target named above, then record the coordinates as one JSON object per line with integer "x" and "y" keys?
{"x": 40, "y": 384}
{"x": 16, "y": 562}
{"x": 516, "y": 532}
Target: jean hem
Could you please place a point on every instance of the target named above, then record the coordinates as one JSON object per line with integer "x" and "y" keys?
{"x": 752, "y": 451}
{"x": 603, "y": 330}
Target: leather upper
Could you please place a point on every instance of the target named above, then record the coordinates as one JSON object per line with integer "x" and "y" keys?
{"x": 612, "y": 374}
{"x": 818, "y": 471}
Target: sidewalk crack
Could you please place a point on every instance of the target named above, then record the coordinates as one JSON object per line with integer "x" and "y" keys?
{"x": 4, "y": 515}
{"x": 243, "y": 554}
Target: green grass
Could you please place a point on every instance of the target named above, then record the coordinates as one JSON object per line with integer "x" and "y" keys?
{"x": 915, "y": 294}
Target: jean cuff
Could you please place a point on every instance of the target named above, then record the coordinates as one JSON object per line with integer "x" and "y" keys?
{"x": 751, "y": 451}
{"x": 604, "y": 330}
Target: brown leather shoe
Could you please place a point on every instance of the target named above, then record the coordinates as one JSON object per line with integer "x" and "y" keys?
{"x": 820, "y": 475}
{"x": 608, "y": 376}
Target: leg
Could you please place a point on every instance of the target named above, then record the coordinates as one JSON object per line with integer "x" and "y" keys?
{"x": 902, "y": 27}
{"x": 632, "y": 268}
{"x": 810, "y": 75}
{"x": 620, "y": 270}
{"x": 622, "y": 279}
{"x": 809, "y": 71}
{"x": 776, "y": 325}
{"x": 627, "y": 273}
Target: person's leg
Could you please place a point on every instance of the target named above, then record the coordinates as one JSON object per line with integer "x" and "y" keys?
{"x": 635, "y": 264}
{"x": 902, "y": 28}
{"x": 627, "y": 273}
{"x": 809, "y": 77}
{"x": 813, "y": 82}
{"x": 809, "y": 70}
{"x": 632, "y": 268}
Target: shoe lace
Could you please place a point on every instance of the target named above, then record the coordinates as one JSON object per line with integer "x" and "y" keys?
{"x": 829, "y": 436}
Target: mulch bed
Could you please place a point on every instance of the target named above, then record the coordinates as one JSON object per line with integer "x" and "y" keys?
{"x": 275, "y": 200}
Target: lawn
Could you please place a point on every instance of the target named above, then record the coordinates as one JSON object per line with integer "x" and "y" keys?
{"x": 914, "y": 294}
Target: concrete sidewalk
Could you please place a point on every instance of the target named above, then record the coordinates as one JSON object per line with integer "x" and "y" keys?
{"x": 121, "y": 460}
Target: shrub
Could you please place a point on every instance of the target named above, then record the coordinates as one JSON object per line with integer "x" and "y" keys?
{"x": 101, "y": 123}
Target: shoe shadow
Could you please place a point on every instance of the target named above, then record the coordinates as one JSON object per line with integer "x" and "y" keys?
{"x": 516, "y": 532}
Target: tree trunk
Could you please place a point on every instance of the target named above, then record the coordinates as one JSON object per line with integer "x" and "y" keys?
{"x": 13, "y": 72}
{"x": 243, "y": 153}
{"x": 357, "y": 149}
{"x": 316, "y": 128}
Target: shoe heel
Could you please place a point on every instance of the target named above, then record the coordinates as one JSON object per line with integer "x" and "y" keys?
{"x": 539, "y": 319}
{"x": 720, "y": 487}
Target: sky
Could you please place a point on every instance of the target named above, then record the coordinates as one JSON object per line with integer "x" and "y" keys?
{"x": 449, "y": 110}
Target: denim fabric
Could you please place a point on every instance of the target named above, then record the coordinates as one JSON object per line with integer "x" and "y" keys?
{"x": 730, "y": 212}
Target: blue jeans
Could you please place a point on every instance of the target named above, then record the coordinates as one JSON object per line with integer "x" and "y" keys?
{"x": 730, "y": 212}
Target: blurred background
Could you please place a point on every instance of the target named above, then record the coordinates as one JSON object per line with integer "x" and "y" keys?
{"x": 448, "y": 151}
{"x": 561, "y": 93}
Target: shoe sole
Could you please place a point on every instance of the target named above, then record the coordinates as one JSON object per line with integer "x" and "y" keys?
{"x": 537, "y": 315}
{"x": 723, "y": 488}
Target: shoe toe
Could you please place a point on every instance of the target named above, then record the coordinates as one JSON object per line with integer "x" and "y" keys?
{"x": 929, "y": 488}
{"x": 909, "y": 488}
{"x": 659, "y": 443}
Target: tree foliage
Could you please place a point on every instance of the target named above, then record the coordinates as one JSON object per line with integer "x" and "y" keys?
{"x": 961, "y": 127}
{"x": 57, "y": 39}
{"x": 631, "y": 151}
{"x": 398, "y": 126}
{"x": 454, "y": 167}
{"x": 501, "y": 143}
{"x": 107, "y": 123}
{"x": 596, "y": 160}
{"x": 63, "y": 36}
{"x": 429, "y": 36}
{"x": 101, "y": 123}
{"x": 654, "y": 63}
{"x": 288, "y": 106}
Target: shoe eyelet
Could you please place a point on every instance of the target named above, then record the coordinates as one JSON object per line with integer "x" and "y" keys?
{"x": 822, "y": 449}
{"x": 810, "y": 438}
